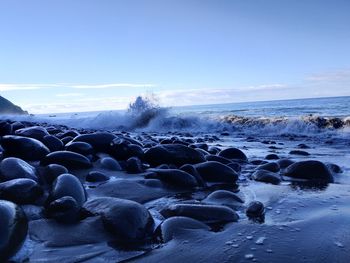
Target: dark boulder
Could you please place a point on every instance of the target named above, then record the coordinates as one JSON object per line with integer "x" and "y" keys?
{"x": 13, "y": 229}
{"x": 173, "y": 226}
{"x": 23, "y": 147}
{"x": 53, "y": 143}
{"x": 216, "y": 172}
{"x": 233, "y": 153}
{"x": 204, "y": 213}
{"x": 20, "y": 191}
{"x": 134, "y": 165}
{"x": 176, "y": 154}
{"x": 266, "y": 177}
{"x": 65, "y": 210}
{"x": 68, "y": 185}
{"x": 13, "y": 168}
{"x": 310, "y": 170}
{"x": 129, "y": 221}
{"x": 173, "y": 177}
{"x": 95, "y": 176}
{"x": 223, "y": 197}
{"x": 83, "y": 148}
{"x": 35, "y": 132}
{"x": 68, "y": 159}
{"x": 100, "y": 141}
{"x": 272, "y": 167}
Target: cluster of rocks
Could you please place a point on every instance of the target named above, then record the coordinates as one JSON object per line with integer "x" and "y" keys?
{"x": 42, "y": 166}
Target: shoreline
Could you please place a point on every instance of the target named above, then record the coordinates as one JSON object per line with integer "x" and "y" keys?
{"x": 187, "y": 192}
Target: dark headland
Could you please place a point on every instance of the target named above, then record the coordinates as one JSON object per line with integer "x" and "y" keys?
{"x": 7, "y": 107}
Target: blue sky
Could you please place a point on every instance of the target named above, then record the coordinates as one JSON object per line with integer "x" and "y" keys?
{"x": 64, "y": 55}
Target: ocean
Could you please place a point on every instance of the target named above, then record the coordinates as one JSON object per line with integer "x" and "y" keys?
{"x": 298, "y": 116}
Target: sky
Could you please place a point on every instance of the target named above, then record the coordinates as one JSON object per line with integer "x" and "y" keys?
{"x": 91, "y": 55}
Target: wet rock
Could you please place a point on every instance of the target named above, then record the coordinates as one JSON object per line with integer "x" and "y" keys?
{"x": 173, "y": 177}
{"x": 272, "y": 167}
{"x": 217, "y": 158}
{"x": 13, "y": 168}
{"x": 174, "y": 226}
{"x": 68, "y": 159}
{"x": 53, "y": 143}
{"x": 83, "y": 148}
{"x": 5, "y": 128}
{"x": 23, "y": 147}
{"x": 51, "y": 172}
{"x": 20, "y": 191}
{"x": 303, "y": 146}
{"x": 334, "y": 168}
{"x": 35, "y": 132}
{"x": 204, "y": 213}
{"x": 134, "y": 165}
{"x": 189, "y": 168}
{"x": 65, "y": 210}
{"x": 109, "y": 163}
{"x": 123, "y": 149}
{"x": 235, "y": 166}
{"x": 100, "y": 141}
{"x": 255, "y": 210}
{"x": 233, "y": 153}
{"x": 284, "y": 163}
{"x": 68, "y": 185}
{"x": 95, "y": 176}
{"x": 173, "y": 154}
{"x": 129, "y": 221}
{"x": 13, "y": 229}
{"x": 310, "y": 170}
{"x": 299, "y": 152}
{"x": 223, "y": 197}
{"x": 272, "y": 156}
{"x": 266, "y": 177}
{"x": 216, "y": 172}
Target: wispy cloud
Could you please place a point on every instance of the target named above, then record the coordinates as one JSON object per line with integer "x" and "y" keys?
{"x": 69, "y": 95}
{"x": 33, "y": 86}
{"x": 338, "y": 75}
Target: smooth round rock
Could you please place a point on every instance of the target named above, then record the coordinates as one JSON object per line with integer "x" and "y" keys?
{"x": 233, "y": 153}
{"x": 25, "y": 148}
{"x": 123, "y": 149}
{"x": 64, "y": 210}
{"x": 266, "y": 177}
{"x": 216, "y": 172}
{"x": 272, "y": 156}
{"x": 68, "y": 159}
{"x": 20, "y": 191}
{"x": 13, "y": 229}
{"x": 134, "y": 165}
{"x": 173, "y": 177}
{"x": 83, "y": 148}
{"x": 36, "y": 132}
{"x": 189, "y": 168}
{"x": 310, "y": 170}
{"x": 217, "y": 158}
{"x": 176, "y": 154}
{"x": 255, "y": 209}
{"x": 68, "y": 185}
{"x": 223, "y": 197}
{"x": 129, "y": 221}
{"x": 51, "y": 172}
{"x": 95, "y": 176}
{"x": 203, "y": 213}
{"x": 100, "y": 141}
{"x": 272, "y": 167}
{"x": 299, "y": 152}
{"x": 174, "y": 226}
{"x": 284, "y": 163}
{"x": 53, "y": 143}
{"x": 109, "y": 163}
{"x": 13, "y": 168}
